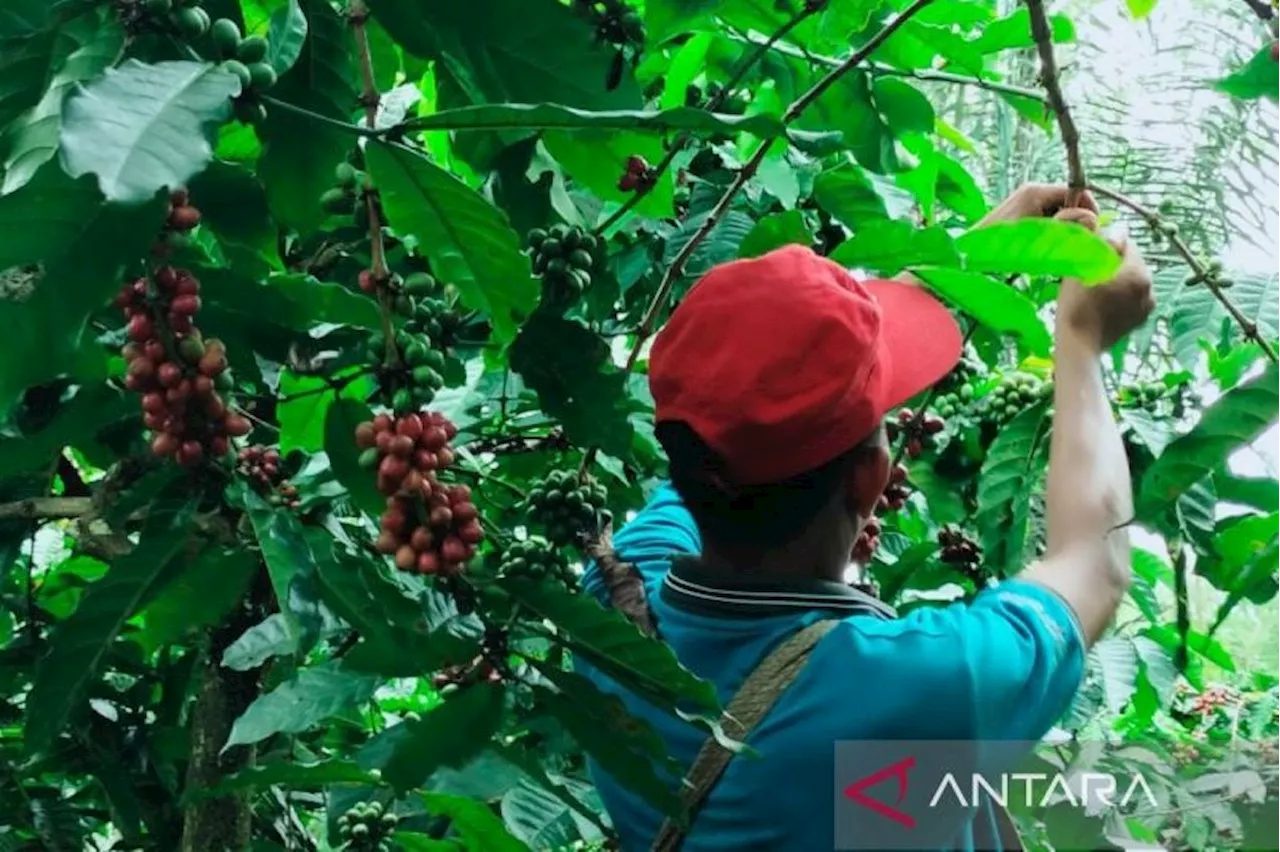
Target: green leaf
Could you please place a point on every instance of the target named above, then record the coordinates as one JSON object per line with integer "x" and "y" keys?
{"x": 597, "y": 158}
{"x": 1167, "y": 637}
{"x": 268, "y": 638}
{"x": 340, "y": 425}
{"x": 91, "y": 410}
{"x": 474, "y": 823}
{"x": 848, "y": 195}
{"x": 1244, "y": 562}
{"x": 286, "y": 36}
{"x": 312, "y": 696}
{"x": 890, "y": 245}
{"x": 292, "y": 775}
{"x": 78, "y": 645}
{"x": 1014, "y": 31}
{"x": 1039, "y": 247}
{"x": 300, "y": 155}
{"x": 233, "y": 204}
{"x": 847, "y": 106}
{"x": 905, "y": 108}
{"x": 1257, "y": 78}
{"x": 721, "y": 243}
{"x": 1117, "y": 666}
{"x": 1139, "y": 9}
{"x": 627, "y": 748}
{"x": 200, "y": 595}
{"x": 1010, "y": 474}
{"x": 775, "y": 231}
{"x": 1237, "y": 419}
{"x": 1258, "y": 299}
{"x": 449, "y": 735}
{"x": 144, "y": 128}
{"x": 284, "y": 548}
{"x": 1152, "y": 432}
{"x": 83, "y": 47}
{"x": 992, "y": 303}
{"x": 570, "y": 369}
{"x": 466, "y": 239}
{"x": 542, "y": 817}
{"x": 554, "y": 116}
{"x": 1261, "y": 493}
{"x": 612, "y": 643}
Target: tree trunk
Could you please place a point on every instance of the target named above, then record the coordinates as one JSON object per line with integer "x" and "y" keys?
{"x": 220, "y": 824}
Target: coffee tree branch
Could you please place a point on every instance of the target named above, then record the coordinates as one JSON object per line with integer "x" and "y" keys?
{"x": 1201, "y": 273}
{"x": 46, "y": 508}
{"x": 1043, "y": 35}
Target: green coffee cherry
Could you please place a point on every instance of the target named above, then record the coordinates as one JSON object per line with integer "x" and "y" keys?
{"x": 226, "y": 36}
{"x": 252, "y": 49}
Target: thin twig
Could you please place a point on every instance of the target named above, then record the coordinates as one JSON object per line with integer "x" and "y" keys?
{"x": 354, "y": 129}
{"x": 46, "y": 508}
{"x": 676, "y": 269}
{"x": 357, "y": 15}
{"x": 1043, "y": 35}
{"x": 806, "y": 10}
{"x": 1156, "y": 222}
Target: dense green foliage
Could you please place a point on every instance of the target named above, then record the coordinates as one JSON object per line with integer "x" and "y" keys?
{"x": 237, "y": 610}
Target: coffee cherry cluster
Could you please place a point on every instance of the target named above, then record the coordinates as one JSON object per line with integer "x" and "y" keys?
{"x": 536, "y": 560}
{"x": 349, "y": 195}
{"x": 1212, "y": 273}
{"x": 411, "y": 382}
{"x": 636, "y": 175}
{"x": 246, "y": 59}
{"x": 181, "y": 219}
{"x": 918, "y": 432}
{"x": 177, "y": 373}
{"x": 428, "y": 526}
{"x": 183, "y": 17}
{"x": 959, "y": 551}
{"x": 367, "y": 827}
{"x": 895, "y": 493}
{"x": 1184, "y": 754}
{"x": 867, "y": 542}
{"x": 1014, "y": 394}
{"x": 563, "y": 505}
{"x": 262, "y": 467}
{"x": 1211, "y": 699}
{"x": 1148, "y": 395}
{"x": 434, "y": 318}
{"x": 956, "y": 403}
{"x": 564, "y": 257}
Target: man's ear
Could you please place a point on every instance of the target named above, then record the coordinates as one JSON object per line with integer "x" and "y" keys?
{"x": 866, "y": 481}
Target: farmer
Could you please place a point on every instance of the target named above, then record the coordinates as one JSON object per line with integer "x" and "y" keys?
{"x": 771, "y": 383}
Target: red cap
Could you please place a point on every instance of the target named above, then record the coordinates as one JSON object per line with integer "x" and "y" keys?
{"x": 780, "y": 363}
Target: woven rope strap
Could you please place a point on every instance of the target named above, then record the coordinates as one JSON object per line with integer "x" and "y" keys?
{"x": 753, "y": 700}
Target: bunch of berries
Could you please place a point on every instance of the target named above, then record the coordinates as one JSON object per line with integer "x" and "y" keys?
{"x": 246, "y": 59}
{"x": 1184, "y": 754}
{"x": 262, "y": 467}
{"x": 919, "y": 432}
{"x": 960, "y": 551}
{"x": 434, "y": 319}
{"x": 535, "y": 560}
{"x": 367, "y": 827}
{"x": 1014, "y": 394}
{"x": 865, "y": 545}
{"x": 428, "y": 526}
{"x": 348, "y": 197}
{"x": 636, "y": 175}
{"x": 895, "y": 493}
{"x": 1147, "y": 395}
{"x": 181, "y": 219}
{"x": 183, "y": 17}
{"x": 563, "y": 505}
{"x": 412, "y": 383}
{"x": 1211, "y": 699}
{"x": 564, "y": 257}
{"x": 177, "y": 373}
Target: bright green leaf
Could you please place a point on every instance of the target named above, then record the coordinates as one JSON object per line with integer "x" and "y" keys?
{"x": 474, "y": 822}
{"x": 449, "y": 735}
{"x": 312, "y": 696}
{"x": 1139, "y": 9}
{"x": 1010, "y": 474}
{"x": 992, "y": 303}
{"x": 201, "y": 595}
{"x": 890, "y": 245}
{"x": 145, "y": 128}
{"x": 1014, "y": 31}
{"x": 848, "y": 195}
{"x": 286, "y": 36}
{"x": 905, "y": 108}
{"x": 774, "y": 231}
{"x": 553, "y": 116}
{"x": 1257, "y": 78}
{"x": 268, "y": 638}
{"x": 1039, "y": 247}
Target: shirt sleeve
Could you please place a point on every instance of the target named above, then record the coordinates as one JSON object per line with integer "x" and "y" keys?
{"x": 662, "y": 529}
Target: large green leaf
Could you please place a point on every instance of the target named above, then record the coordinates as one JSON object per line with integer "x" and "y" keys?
{"x": 292, "y": 775}
{"x": 905, "y": 108}
{"x": 1014, "y": 31}
{"x": 628, "y": 748}
{"x": 612, "y": 643}
{"x": 301, "y": 154}
{"x": 774, "y": 231}
{"x": 848, "y": 107}
{"x": 508, "y": 51}
{"x": 1012, "y": 469}
{"x": 848, "y": 195}
{"x": 83, "y": 47}
{"x": 289, "y": 300}
{"x": 576, "y": 383}
{"x": 285, "y": 549}
{"x": 144, "y": 128}
{"x": 1244, "y": 562}
{"x": 268, "y": 638}
{"x": 992, "y": 303}
{"x": 474, "y": 823}
{"x": 467, "y": 239}
{"x": 204, "y": 592}
{"x": 1116, "y": 661}
{"x": 449, "y": 735}
{"x": 340, "y": 424}
{"x": 1261, "y": 493}
{"x": 286, "y": 36}
{"x": 598, "y": 158}
{"x": 92, "y": 409}
{"x": 1257, "y": 78}
{"x": 554, "y": 116}
{"x": 1235, "y": 420}
{"x": 78, "y": 645}
{"x": 312, "y": 696}
{"x": 1039, "y": 247}
{"x": 890, "y": 245}
{"x": 543, "y": 818}
{"x": 233, "y": 204}
{"x": 1258, "y": 299}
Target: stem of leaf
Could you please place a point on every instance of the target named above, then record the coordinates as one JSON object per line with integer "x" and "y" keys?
{"x": 1156, "y": 222}
{"x": 354, "y": 129}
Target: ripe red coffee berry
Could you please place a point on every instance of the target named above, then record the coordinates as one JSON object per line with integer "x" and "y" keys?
{"x": 168, "y": 374}
{"x": 424, "y": 460}
{"x": 406, "y": 558}
{"x": 164, "y": 444}
{"x": 202, "y": 385}
{"x": 410, "y": 426}
{"x": 141, "y": 369}
{"x": 186, "y": 305}
{"x": 383, "y": 422}
{"x": 441, "y": 516}
{"x": 167, "y": 278}
{"x": 184, "y": 218}
{"x": 434, "y": 438}
{"x": 444, "y": 458}
{"x": 154, "y": 350}
{"x": 387, "y": 543}
{"x": 464, "y": 512}
{"x": 471, "y": 533}
{"x": 367, "y": 282}
{"x": 153, "y": 403}
{"x": 213, "y": 364}
{"x": 428, "y": 563}
{"x": 365, "y": 436}
{"x": 140, "y": 328}
{"x": 402, "y": 445}
{"x": 422, "y": 539}
{"x": 237, "y": 426}
{"x": 453, "y": 550}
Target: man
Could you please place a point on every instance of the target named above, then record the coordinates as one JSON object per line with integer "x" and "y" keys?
{"x": 770, "y": 382}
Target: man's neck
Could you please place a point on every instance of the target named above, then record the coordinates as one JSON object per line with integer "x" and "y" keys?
{"x": 783, "y": 564}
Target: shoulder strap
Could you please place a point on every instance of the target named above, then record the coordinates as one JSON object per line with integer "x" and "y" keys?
{"x": 755, "y": 698}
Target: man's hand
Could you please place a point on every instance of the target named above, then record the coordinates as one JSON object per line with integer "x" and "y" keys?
{"x": 1099, "y": 316}
{"x": 1038, "y": 200}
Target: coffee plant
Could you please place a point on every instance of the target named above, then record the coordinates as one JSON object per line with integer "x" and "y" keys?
{"x": 325, "y": 326}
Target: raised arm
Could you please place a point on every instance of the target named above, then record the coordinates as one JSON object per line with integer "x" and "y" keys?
{"x": 1089, "y": 496}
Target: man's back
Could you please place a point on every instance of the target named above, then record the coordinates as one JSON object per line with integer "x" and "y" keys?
{"x": 1001, "y": 669}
